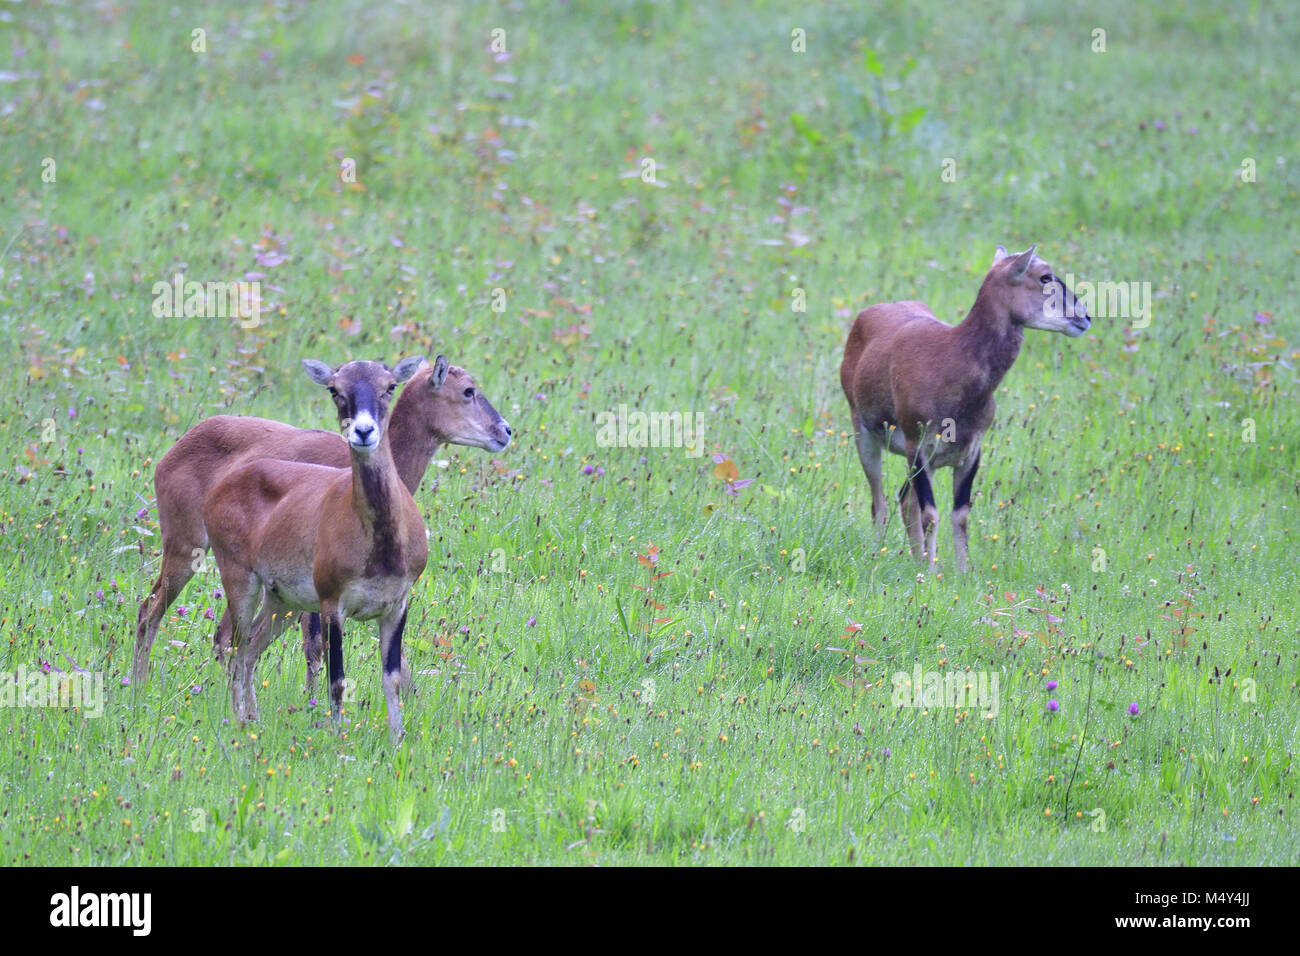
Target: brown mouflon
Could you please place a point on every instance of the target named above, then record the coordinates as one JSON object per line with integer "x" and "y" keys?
{"x": 440, "y": 405}
{"x": 346, "y": 543}
{"x": 924, "y": 389}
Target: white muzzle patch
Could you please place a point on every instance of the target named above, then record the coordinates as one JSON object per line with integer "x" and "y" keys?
{"x": 363, "y": 432}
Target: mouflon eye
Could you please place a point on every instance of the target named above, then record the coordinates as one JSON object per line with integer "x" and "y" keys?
{"x": 469, "y": 393}
{"x": 1047, "y": 278}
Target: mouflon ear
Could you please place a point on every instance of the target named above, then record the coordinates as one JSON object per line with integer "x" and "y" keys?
{"x": 319, "y": 372}
{"x": 407, "y": 367}
{"x": 999, "y": 254}
{"x": 1021, "y": 265}
{"x": 440, "y": 367}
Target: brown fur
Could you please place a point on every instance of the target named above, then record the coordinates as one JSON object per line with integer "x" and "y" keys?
{"x": 430, "y": 412}
{"x": 924, "y": 389}
{"x": 296, "y": 536}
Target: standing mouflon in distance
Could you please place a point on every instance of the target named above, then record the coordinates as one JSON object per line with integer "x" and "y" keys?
{"x": 924, "y": 389}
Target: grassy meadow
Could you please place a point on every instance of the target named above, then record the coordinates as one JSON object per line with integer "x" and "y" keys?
{"x": 665, "y": 655}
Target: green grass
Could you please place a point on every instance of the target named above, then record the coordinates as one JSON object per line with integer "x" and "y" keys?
{"x": 760, "y": 745}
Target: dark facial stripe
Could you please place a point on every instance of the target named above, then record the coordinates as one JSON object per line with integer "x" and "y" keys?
{"x": 1068, "y": 302}
{"x": 478, "y": 397}
{"x": 362, "y": 399}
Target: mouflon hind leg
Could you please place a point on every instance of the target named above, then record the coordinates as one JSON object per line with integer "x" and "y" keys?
{"x": 176, "y": 571}
{"x": 963, "y": 479}
{"x": 923, "y": 496}
{"x": 391, "y": 626}
{"x": 313, "y": 648}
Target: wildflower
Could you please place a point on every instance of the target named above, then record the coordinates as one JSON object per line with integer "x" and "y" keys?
{"x": 733, "y": 487}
